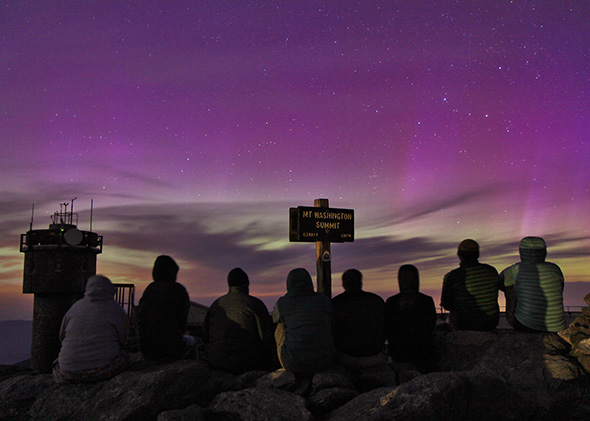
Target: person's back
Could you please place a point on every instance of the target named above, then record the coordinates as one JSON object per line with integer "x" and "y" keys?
{"x": 162, "y": 313}
{"x": 357, "y": 315}
{"x": 470, "y": 292}
{"x": 304, "y": 335}
{"x": 238, "y": 330}
{"x": 538, "y": 286}
{"x": 93, "y": 334}
{"x": 410, "y": 318}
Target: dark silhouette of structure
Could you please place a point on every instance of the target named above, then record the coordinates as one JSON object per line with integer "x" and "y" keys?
{"x": 58, "y": 262}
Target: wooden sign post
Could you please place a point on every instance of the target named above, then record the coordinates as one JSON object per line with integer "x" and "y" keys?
{"x": 322, "y": 225}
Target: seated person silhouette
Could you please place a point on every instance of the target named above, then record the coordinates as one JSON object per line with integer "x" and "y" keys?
{"x": 303, "y": 334}
{"x": 410, "y": 318}
{"x": 238, "y": 330}
{"x": 162, "y": 315}
{"x": 93, "y": 334}
{"x": 357, "y": 318}
{"x": 470, "y": 292}
{"x": 533, "y": 290}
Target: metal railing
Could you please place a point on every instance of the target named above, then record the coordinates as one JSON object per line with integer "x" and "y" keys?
{"x": 125, "y": 296}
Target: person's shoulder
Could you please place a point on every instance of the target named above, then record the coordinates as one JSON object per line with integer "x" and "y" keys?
{"x": 373, "y": 297}
{"x": 553, "y": 266}
{"x": 489, "y": 267}
{"x": 454, "y": 271}
{"x": 151, "y": 286}
{"x": 322, "y": 297}
{"x": 512, "y": 268}
{"x": 392, "y": 299}
{"x": 425, "y": 297}
{"x": 340, "y": 297}
{"x": 215, "y": 303}
{"x": 254, "y": 300}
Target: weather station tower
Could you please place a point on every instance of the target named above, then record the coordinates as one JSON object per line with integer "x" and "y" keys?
{"x": 58, "y": 262}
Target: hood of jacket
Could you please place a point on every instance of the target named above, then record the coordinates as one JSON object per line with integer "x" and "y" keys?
{"x": 299, "y": 282}
{"x": 532, "y": 250}
{"x": 99, "y": 288}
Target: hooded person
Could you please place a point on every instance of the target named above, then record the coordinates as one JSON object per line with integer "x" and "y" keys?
{"x": 303, "y": 334}
{"x": 162, "y": 315}
{"x": 93, "y": 334}
{"x": 238, "y": 329}
{"x": 533, "y": 289}
{"x": 410, "y": 319}
{"x": 470, "y": 292}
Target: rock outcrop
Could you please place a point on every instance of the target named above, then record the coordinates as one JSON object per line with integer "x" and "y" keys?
{"x": 577, "y": 334}
{"x": 481, "y": 375}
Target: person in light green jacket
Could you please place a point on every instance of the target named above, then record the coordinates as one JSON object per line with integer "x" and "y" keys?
{"x": 533, "y": 290}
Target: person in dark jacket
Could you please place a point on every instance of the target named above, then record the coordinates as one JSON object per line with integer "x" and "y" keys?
{"x": 162, "y": 315}
{"x": 303, "y": 334}
{"x": 357, "y": 316}
{"x": 410, "y": 318}
{"x": 470, "y": 292}
{"x": 238, "y": 329}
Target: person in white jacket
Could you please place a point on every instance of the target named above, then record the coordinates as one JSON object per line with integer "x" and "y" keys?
{"x": 93, "y": 335}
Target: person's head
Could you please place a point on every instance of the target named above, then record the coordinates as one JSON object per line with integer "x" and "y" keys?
{"x": 165, "y": 269}
{"x": 99, "y": 287}
{"x": 237, "y": 278}
{"x": 468, "y": 250}
{"x": 299, "y": 281}
{"x": 532, "y": 249}
{"x": 408, "y": 278}
{"x": 352, "y": 280}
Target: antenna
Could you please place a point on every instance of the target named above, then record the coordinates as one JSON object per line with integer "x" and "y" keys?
{"x": 32, "y": 214}
{"x": 72, "y": 209}
{"x": 91, "y": 209}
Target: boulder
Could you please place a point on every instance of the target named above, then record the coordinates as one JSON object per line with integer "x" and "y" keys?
{"x": 440, "y": 396}
{"x": 481, "y": 375}
{"x": 261, "y": 404}
{"x": 326, "y": 400}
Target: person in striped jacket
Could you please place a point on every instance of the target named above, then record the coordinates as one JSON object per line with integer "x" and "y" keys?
{"x": 470, "y": 292}
{"x": 533, "y": 290}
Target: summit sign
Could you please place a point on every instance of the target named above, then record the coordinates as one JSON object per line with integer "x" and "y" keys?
{"x": 312, "y": 224}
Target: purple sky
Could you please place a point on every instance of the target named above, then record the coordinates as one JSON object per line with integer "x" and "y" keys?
{"x": 195, "y": 125}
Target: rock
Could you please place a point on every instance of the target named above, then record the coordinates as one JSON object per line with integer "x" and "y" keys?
{"x": 375, "y": 378}
{"x": 404, "y": 371}
{"x": 280, "y": 379}
{"x": 440, "y": 396}
{"x": 326, "y": 400}
{"x": 7, "y": 371}
{"x": 330, "y": 379}
{"x": 488, "y": 375}
{"x": 462, "y": 349}
{"x": 261, "y": 404}
{"x": 581, "y": 351}
{"x": 18, "y": 393}
{"x": 130, "y": 395}
{"x": 191, "y": 413}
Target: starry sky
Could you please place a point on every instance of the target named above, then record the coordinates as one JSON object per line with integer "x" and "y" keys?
{"x": 194, "y": 126}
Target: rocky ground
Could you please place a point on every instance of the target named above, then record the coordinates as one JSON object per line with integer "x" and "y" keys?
{"x": 481, "y": 375}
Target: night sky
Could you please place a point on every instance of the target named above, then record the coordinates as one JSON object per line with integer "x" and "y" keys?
{"x": 195, "y": 125}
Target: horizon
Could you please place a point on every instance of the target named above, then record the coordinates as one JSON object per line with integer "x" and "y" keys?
{"x": 194, "y": 127}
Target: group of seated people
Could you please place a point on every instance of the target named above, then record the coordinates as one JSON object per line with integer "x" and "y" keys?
{"x": 307, "y": 332}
